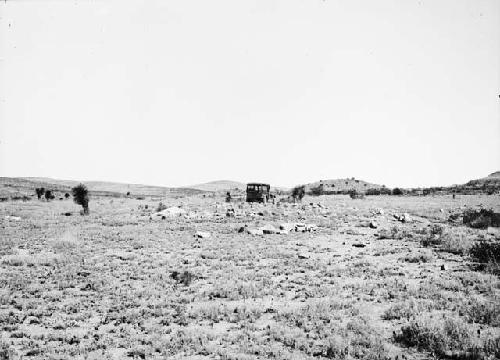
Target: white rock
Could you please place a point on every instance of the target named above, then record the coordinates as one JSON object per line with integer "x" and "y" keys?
{"x": 202, "y": 235}
{"x": 255, "y": 232}
{"x": 269, "y": 229}
{"x": 287, "y": 227}
{"x": 12, "y": 218}
{"x": 171, "y": 212}
{"x": 311, "y": 227}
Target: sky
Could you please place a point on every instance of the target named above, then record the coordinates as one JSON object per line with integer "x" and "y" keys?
{"x": 400, "y": 93}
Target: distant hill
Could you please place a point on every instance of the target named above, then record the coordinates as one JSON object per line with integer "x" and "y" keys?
{"x": 220, "y": 185}
{"x": 334, "y": 186}
{"x": 488, "y": 184}
{"x": 17, "y": 187}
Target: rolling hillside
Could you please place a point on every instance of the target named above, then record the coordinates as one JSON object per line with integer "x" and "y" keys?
{"x": 220, "y": 185}
{"x": 19, "y": 187}
{"x": 342, "y": 185}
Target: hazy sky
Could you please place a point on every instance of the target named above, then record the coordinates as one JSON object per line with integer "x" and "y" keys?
{"x": 402, "y": 93}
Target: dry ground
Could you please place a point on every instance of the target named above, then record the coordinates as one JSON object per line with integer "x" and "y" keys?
{"x": 101, "y": 286}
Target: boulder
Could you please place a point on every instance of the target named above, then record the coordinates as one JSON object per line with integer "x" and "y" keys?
{"x": 311, "y": 227}
{"x": 405, "y": 218}
{"x": 373, "y": 225}
{"x": 269, "y": 229}
{"x": 173, "y": 211}
{"x": 202, "y": 235}
{"x": 255, "y": 232}
{"x": 12, "y": 218}
{"x": 287, "y": 227}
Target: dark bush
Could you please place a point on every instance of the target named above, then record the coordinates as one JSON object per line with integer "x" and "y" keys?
{"x": 372, "y": 191}
{"x": 39, "y": 192}
{"x": 298, "y": 192}
{"x": 66, "y": 195}
{"x": 184, "y": 277}
{"x": 49, "y": 195}
{"x": 485, "y": 252}
{"x": 81, "y": 197}
{"x": 481, "y": 219}
{"x": 397, "y": 191}
{"x": 317, "y": 190}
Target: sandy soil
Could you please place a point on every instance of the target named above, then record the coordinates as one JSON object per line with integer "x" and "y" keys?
{"x": 102, "y": 286}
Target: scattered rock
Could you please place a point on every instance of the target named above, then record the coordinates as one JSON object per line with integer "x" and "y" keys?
{"x": 311, "y": 227}
{"x": 443, "y": 267}
{"x": 493, "y": 231}
{"x": 405, "y": 218}
{"x": 269, "y": 229}
{"x": 171, "y": 212}
{"x": 358, "y": 245}
{"x": 300, "y": 227}
{"x": 202, "y": 235}
{"x": 287, "y": 226}
{"x": 12, "y": 218}
{"x": 373, "y": 224}
{"x": 255, "y": 232}
{"x": 303, "y": 256}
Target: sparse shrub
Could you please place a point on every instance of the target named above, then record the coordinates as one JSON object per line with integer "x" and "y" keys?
{"x": 482, "y": 312}
{"x": 456, "y": 243}
{"x": 160, "y": 207}
{"x": 66, "y": 195}
{"x": 395, "y": 233}
{"x": 419, "y": 258}
{"x": 434, "y": 336}
{"x": 298, "y": 192}
{"x": 356, "y": 194}
{"x": 81, "y": 197}
{"x": 128, "y": 193}
{"x": 405, "y": 310}
{"x": 184, "y": 277}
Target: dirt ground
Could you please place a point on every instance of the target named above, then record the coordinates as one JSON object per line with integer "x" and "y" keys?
{"x": 121, "y": 283}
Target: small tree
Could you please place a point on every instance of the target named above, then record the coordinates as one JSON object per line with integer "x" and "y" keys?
{"x": 81, "y": 197}
{"x": 39, "y": 192}
{"x": 298, "y": 192}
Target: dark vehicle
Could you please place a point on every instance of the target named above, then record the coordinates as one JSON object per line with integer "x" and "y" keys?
{"x": 257, "y": 192}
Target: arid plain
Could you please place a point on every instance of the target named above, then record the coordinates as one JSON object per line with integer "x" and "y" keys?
{"x": 385, "y": 277}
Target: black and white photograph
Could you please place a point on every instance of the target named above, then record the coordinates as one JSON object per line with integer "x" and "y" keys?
{"x": 246, "y": 180}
